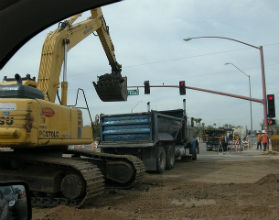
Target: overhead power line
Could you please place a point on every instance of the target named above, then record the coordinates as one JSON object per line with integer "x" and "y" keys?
{"x": 195, "y": 56}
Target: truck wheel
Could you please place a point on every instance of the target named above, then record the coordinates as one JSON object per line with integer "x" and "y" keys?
{"x": 170, "y": 157}
{"x": 161, "y": 160}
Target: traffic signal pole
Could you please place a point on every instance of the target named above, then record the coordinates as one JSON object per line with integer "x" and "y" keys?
{"x": 260, "y": 48}
{"x": 263, "y": 87}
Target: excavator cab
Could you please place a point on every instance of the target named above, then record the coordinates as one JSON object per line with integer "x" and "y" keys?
{"x": 18, "y": 87}
{"x": 111, "y": 88}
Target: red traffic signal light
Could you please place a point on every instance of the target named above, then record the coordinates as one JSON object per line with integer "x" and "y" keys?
{"x": 271, "y": 122}
{"x": 270, "y": 106}
{"x": 182, "y": 88}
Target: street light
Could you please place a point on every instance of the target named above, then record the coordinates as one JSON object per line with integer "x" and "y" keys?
{"x": 249, "y": 79}
{"x": 260, "y": 48}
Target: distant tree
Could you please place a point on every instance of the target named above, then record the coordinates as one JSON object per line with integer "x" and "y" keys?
{"x": 96, "y": 127}
{"x": 197, "y": 120}
{"x": 197, "y": 130}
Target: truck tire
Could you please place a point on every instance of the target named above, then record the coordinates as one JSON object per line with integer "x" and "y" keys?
{"x": 170, "y": 157}
{"x": 161, "y": 160}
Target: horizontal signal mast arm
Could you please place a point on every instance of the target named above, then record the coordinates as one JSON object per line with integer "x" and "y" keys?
{"x": 208, "y": 91}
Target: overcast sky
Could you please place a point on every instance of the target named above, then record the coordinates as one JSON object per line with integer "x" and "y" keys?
{"x": 148, "y": 39}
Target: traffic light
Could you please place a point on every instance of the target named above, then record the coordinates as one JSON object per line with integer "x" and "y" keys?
{"x": 271, "y": 122}
{"x": 182, "y": 89}
{"x": 146, "y": 87}
{"x": 270, "y": 106}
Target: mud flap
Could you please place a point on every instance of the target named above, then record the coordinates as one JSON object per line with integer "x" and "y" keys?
{"x": 149, "y": 159}
{"x": 194, "y": 149}
{"x": 111, "y": 88}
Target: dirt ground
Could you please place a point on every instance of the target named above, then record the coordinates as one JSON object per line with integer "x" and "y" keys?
{"x": 242, "y": 185}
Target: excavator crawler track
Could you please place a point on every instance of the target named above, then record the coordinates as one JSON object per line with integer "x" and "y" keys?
{"x": 89, "y": 174}
{"x": 40, "y": 170}
{"x": 104, "y": 160}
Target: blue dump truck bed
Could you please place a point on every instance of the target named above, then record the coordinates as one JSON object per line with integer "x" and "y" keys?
{"x": 158, "y": 138}
{"x": 145, "y": 128}
{"x": 129, "y": 128}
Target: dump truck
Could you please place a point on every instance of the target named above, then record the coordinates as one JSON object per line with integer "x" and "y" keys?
{"x": 217, "y": 138}
{"x": 158, "y": 138}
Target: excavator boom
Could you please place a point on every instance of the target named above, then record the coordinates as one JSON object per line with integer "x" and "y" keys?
{"x": 110, "y": 87}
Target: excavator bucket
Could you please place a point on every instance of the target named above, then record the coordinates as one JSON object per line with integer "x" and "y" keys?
{"x": 111, "y": 88}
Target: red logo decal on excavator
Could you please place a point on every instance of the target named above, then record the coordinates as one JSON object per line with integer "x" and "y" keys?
{"x": 48, "y": 112}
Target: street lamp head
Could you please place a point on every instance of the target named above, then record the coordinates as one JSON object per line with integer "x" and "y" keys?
{"x": 188, "y": 39}
{"x": 238, "y": 69}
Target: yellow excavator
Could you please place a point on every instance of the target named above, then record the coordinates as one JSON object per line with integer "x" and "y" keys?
{"x": 38, "y": 132}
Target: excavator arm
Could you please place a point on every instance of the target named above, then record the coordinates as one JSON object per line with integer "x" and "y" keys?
{"x": 110, "y": 86}
{"x": 54, "y": 54}
{"x": 105, "y": 39}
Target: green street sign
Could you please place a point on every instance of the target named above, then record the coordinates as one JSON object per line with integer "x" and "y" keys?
{"x": 133, "y": 92}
